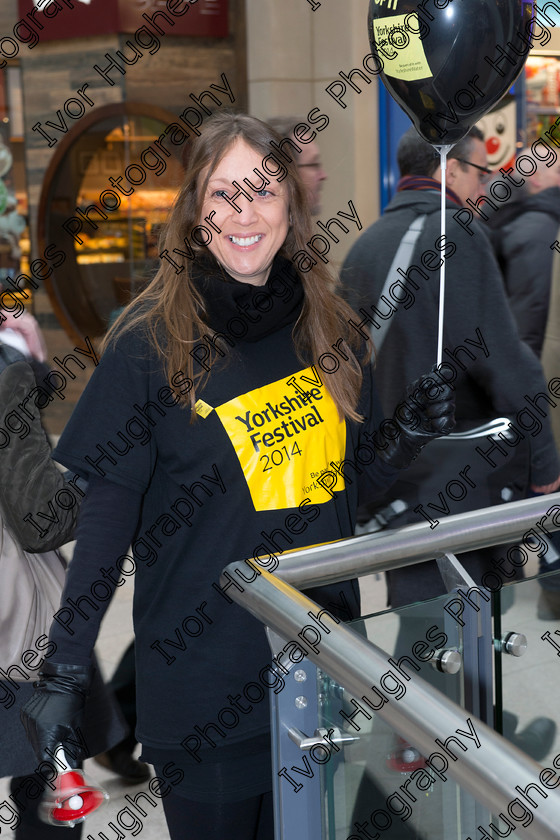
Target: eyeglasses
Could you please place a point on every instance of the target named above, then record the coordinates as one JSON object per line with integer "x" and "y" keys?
{"x": 486, "y": 173}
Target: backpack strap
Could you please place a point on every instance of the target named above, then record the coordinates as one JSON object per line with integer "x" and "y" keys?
{"x": 401, "y": 260}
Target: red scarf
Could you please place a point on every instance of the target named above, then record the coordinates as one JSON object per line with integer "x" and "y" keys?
{"x": 422, "y": 182}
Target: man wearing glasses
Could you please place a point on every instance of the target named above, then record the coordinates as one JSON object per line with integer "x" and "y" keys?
{"x": 467, "y": 170}
{"x": 494, "y": 368}
{"x": 308, "y": 162}
{"x": 467, "y": 166}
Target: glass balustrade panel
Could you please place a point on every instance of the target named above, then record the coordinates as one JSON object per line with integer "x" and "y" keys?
{"x": 374, "y": 783}
{"x": 527, "y": 650}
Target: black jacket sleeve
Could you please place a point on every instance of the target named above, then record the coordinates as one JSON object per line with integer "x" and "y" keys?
{"x": 30, "y": 482}
{"x": 377, "y": 476}
{"x": 108, "y": 520}
{"x": 505, "y": 368}
{"x": 525, "y": 248}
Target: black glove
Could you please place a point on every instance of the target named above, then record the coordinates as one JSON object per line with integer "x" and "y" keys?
{"x": 55, "y": 711}
{"x": 428, "y": 412}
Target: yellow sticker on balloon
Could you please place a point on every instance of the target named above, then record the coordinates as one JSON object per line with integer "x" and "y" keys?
{"x": 400, "y": 47}
{"x": 285, "y": 435}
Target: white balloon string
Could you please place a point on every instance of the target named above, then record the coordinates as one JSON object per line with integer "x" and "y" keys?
{"x": 443, "y": 162}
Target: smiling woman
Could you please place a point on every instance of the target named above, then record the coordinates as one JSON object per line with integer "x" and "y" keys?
{"x": 224, "y": 187}
{"x": 258, "y": 414}
{"x": 252, "y": 232}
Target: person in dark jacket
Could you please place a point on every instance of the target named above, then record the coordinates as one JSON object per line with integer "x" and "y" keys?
{"x": 30, "y": 485}
{"x": 492, "y": 372}
{"x": 522, "y": 232}
{"x": 29, "y": 480}
{"x": 202, "y": 431}
{"x": 495, "y": 373}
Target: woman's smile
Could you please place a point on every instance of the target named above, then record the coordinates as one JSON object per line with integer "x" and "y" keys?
{"x": 253, "y": 223}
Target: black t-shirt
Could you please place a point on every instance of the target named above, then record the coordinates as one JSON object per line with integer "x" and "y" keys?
{"x": 239, "y": 482}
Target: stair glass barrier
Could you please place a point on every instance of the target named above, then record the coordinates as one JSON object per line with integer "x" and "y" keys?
{"x": 377, "y": 783}
{"x": 527, "y": 665}
{"x": 343, "y": 770}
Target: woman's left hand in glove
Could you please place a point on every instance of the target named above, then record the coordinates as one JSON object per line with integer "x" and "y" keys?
{"x": 428, "y": 412}
{"x": 54, "y": 714}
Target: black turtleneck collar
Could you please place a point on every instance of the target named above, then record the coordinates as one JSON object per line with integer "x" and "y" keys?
{"x": 264, "y": 309}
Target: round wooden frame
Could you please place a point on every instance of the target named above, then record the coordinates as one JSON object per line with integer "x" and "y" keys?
{"x": 97, "y": 115}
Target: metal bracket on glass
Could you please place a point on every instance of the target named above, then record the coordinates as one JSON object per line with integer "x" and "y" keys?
{"x": 448, "y": 661}
{"x": 515, "y": 644}
{"x": 322, "y": 735}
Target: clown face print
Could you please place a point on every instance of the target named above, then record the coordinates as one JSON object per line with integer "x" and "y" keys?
{"x": 499, "y": 129}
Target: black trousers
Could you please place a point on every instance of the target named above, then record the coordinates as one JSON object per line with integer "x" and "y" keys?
{"x": 123, "y": 686}
{"x": 249, "y": 819}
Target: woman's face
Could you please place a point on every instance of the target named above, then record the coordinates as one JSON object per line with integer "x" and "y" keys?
{"x": 251, "y": 236}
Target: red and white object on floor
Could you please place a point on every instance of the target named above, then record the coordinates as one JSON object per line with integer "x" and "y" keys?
{"x": 405, "y": 758}
{"x": 73, "y": 799}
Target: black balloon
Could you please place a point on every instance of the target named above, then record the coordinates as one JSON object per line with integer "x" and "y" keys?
{"x": 447, "y": 62}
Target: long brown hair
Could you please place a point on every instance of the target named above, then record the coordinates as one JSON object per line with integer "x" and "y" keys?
{"x": 172, "y": 311}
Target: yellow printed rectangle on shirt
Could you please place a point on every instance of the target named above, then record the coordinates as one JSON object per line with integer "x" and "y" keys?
{"x": 285, "y": 435}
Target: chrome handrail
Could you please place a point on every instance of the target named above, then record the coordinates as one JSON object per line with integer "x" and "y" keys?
{"x": 490, "y": 768}
{"x": 412, "y": 544}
